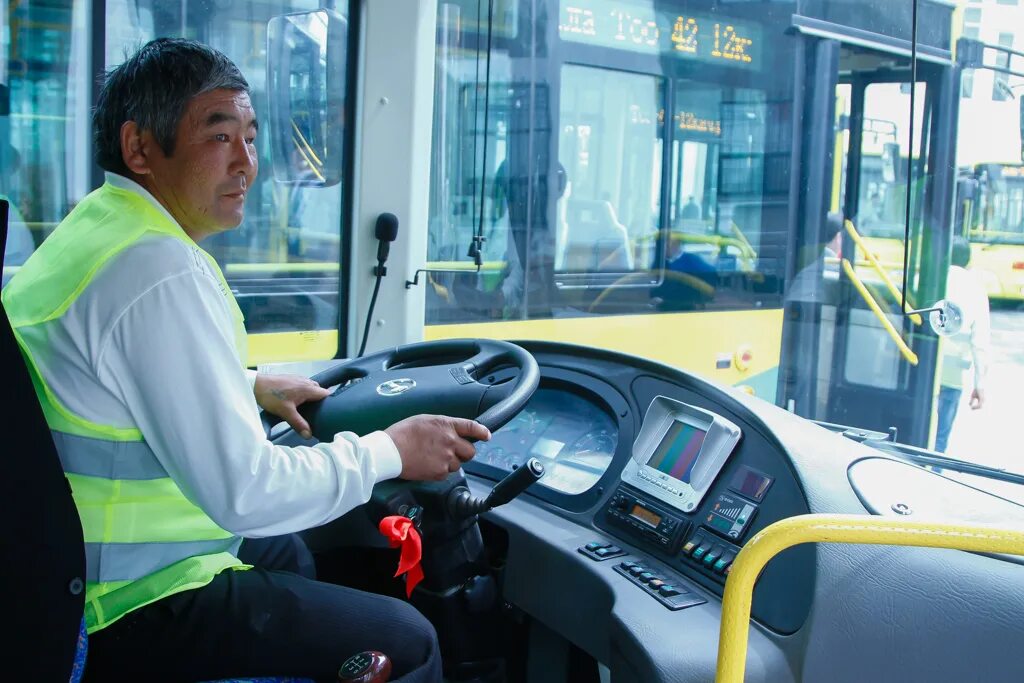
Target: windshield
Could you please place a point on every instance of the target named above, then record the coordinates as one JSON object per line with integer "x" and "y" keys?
{"x": 701, "y": 184}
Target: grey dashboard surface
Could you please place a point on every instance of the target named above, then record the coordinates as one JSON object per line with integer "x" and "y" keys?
{"x": 875, "y": 613}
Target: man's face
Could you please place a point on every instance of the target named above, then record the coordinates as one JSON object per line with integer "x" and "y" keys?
{"x": 204, "y": 182}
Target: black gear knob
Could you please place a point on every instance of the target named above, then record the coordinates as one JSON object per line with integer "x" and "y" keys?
{"x": 366, "y": 667}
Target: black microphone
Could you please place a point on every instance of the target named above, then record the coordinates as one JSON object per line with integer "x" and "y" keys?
{"x": 386, "y": 230}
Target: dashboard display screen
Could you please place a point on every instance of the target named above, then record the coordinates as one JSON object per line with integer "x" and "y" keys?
{"x": 751, "y": 484}
{"x": 573, "y": 438}
{"x": 646, "y": 516}
{"x": 678, "y": 452}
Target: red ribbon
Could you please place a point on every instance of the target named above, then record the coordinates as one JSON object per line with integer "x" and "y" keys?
{"x": 400, "y": 531}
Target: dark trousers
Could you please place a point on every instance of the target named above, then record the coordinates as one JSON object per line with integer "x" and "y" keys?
{"x": 949, "y": 401}
{"x": 272, "y": 620}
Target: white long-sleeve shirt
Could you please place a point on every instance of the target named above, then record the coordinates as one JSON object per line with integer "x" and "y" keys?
{"x": 968, "y": 348}
{"x": 150, "y": 344}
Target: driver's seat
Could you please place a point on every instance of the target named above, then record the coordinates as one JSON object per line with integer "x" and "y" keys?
{"x": 43, "y": 546}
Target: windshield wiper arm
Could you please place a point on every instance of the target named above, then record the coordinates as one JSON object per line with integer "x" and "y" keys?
{"x": 885, "y": 442}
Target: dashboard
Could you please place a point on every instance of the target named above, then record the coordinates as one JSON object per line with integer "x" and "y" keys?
{"x": 656, "y": 461}
{"x": 657, "y": 479}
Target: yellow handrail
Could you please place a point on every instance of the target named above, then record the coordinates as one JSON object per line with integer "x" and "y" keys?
{"x": 858, "y": 529}
{"x": 485, "y": 267}
{"x": 299, "y": 137}
{"x": 905, "y": 350}
{"x": 745, "y": 248}
{"x": 743, "y": 238}
{"x": 893, "y": 289}
{"x": 685, "y": 279}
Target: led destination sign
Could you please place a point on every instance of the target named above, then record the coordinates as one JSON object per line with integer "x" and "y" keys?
{"x": 634, "y": 25}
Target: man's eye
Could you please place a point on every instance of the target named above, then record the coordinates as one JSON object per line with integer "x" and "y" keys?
{"x": 251, "y": 140}
{"x": 222, "y": 137}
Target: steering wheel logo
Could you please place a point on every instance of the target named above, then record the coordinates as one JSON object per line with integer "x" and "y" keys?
{"x": 394, "y": 387}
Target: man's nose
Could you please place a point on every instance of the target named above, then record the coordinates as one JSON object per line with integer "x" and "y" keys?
{"x": 244, "y": 161}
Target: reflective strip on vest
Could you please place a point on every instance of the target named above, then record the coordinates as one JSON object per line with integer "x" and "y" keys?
{"x": 107, "y": 562}
{"x": 108, "y": 459}
{"x": 141, "y": 511}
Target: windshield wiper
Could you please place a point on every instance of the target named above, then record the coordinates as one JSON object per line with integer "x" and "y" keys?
{"x": 887, "y": 443}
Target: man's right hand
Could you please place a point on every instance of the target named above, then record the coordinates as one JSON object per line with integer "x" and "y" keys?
{"x": 432, "y": 446}
{"x": 977, "y": 399}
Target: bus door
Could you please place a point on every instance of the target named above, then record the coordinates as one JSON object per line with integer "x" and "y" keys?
{"x": 883, "y": 362}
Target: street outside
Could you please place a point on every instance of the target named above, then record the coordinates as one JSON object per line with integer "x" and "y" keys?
{"x": 991, "y": 436}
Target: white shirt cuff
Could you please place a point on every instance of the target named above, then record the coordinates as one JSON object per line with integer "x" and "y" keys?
{"x": 387, "y": 461}
{"x": 251, "y": 375}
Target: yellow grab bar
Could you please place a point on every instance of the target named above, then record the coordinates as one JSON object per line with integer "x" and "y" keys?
{"x": 299, "y": 137}
{"x": 468, "y": 266}
{"x": 743, "y": 239}
{"x": 893, "y": 289}
{"x": 905, "y": 350}
{"x": 859, "y": 529}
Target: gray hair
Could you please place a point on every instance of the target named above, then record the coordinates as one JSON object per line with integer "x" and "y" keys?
{"x": 152, "y": 88}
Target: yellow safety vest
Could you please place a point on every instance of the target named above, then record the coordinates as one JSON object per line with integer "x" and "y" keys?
{"x": 144, "y": 539}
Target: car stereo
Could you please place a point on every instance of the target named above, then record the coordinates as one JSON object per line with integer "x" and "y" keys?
{"x": 679, "y": 451}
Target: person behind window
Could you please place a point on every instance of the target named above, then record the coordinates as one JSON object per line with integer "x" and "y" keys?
{"x": 809, "y": 284}
{"x": 966, "y": 350}
{"x": 811, "y": 290}
{"x": 691, "y": 210}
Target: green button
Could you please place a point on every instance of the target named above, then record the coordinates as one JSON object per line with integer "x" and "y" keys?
{"x": 720, "y": 565}
{"x": 699, "y": 553}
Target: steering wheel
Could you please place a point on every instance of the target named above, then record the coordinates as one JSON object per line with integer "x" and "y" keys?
{"x": 440, "y": 377}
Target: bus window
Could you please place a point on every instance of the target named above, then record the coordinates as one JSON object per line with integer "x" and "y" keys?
{"x": 633, "y": 161}
{"x": 881, "y": 210}
{"x": 282, "y": 262}
{"x": 609, "y": 145}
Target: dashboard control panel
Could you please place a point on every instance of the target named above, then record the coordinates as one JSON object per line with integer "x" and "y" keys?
{"x": 645, "y": 519}
{"x": 672, "y": 593}
{"x": 708, "y": 553}
{"x": 664, "y": 502}
{"x": 678, "y": 453}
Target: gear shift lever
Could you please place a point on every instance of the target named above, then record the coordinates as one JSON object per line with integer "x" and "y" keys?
{"x": 462, "y": 503}
{"x": 366, "y": 667}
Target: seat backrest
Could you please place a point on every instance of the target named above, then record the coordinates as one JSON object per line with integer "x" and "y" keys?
{"x": 44, "y": 553}
{"x": 596, "y": 239}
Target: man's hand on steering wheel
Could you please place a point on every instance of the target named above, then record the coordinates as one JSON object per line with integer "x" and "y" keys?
{"x": 433, "y": 446}
{"x": 282, "y": 395}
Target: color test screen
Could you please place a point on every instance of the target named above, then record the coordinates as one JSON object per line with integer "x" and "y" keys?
{"x": 678, "y": 451}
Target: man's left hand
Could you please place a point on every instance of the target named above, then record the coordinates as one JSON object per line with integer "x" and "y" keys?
{"x": 282, "y": 395}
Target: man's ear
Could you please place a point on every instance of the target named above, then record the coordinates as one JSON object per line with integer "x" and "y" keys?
{"x": 136, "y": 148}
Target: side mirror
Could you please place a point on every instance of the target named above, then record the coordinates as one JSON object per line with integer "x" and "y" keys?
{"x": 892, "y": 163}
{"x": 306, "y": 90}
{"x": 946, "y": 318}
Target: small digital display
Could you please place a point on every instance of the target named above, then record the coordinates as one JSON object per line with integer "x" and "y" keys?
{"x": 679, "y": 451}
{"x": 645, "y": 516}
{"x": 730, "y": 516}
{"x": 637, "y": 26}
{"x": 751, "y": 484}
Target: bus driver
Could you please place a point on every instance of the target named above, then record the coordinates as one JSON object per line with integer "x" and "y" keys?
{"x": 138, "y": 350}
